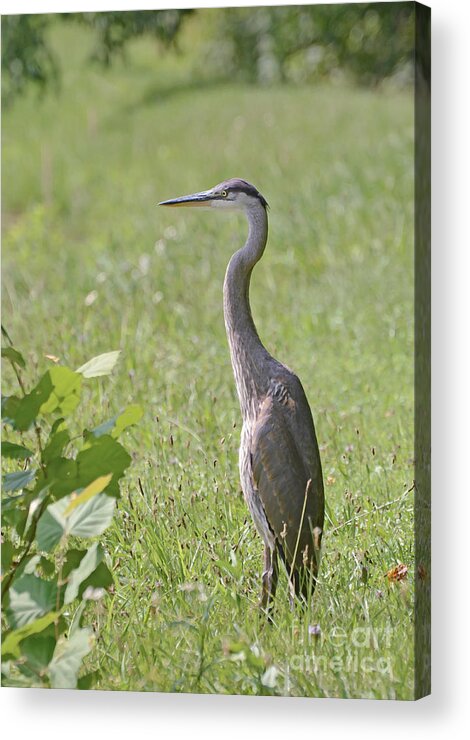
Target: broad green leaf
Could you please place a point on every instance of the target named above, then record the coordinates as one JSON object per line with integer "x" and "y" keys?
{"x": 9, "y": 408}
{"x": 115, "y": 426}
{"x": 18, "y": 481}
{"x": 21, "y": 412}
{"x": 51, "y": 525}
{"x": 55, "y": 445}
{"x": 39, "y": 649}
{"x": 72, "y": 560}
{"x": 14, "y": 356}
{"x": 63, "y": 474}
{"x": 105, "y": 455}
{"x": 65, "y": 395}
{"x": 15, "y": 452}
{"x": 99, "y": 365}
{"x": 88, "y": 564}
{"x": 91, "y": 490}
{"x": 87, "y": 520}
{"x": 11, "y": 641}
{"x": 30, "y": 597}
{"x": 57, "y": 391}
{"x": 131, "y": 415}
{"x": 92, "y": 517}
{"x": 68, "y": 656}
{"x": 100, "y": 457}
{"x": 89, "y": 680}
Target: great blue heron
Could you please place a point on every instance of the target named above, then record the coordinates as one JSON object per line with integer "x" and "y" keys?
{"x": 280, "y": 467}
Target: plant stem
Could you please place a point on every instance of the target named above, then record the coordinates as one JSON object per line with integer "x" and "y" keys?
{"x": 37, "y": 428}
{"x": 9, "y": 577}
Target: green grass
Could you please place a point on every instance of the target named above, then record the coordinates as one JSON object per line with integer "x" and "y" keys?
{"x": 90, "y": 265}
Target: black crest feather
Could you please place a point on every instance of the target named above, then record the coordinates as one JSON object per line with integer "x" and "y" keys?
{"x": 236, "y": 183}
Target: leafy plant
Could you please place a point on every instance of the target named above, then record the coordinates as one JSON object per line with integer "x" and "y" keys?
{"x": 59, "y": 491}
{"x": 115, "y": 29}
{"x": 304, "y": 43}
{"x": 27, "y": 56}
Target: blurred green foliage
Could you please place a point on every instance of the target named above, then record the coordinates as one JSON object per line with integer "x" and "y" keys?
{"x": 367, "y": 42}
{"x": 27, "y": 56}
{"x": 114, "y": 29}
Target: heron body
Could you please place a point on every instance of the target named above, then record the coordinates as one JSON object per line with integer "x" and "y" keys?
{"x": 279, "y": 460}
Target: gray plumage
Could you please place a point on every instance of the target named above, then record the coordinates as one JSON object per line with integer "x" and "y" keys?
{"x": 280, "y": 468}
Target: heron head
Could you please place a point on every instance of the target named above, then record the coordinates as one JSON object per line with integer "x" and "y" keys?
{"x": 234, "y": 194}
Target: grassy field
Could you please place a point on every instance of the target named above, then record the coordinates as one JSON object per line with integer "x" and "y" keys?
{"x": 91, "y": 265}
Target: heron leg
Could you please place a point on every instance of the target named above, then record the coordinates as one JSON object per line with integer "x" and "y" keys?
{"x": 302, "y": 584}
{"x": 269, "y": 580}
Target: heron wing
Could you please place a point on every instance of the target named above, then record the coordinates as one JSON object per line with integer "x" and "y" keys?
{"x": 285, "y": 457}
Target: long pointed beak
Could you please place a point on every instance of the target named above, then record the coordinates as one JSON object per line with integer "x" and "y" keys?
{"x": 196, "y": 200}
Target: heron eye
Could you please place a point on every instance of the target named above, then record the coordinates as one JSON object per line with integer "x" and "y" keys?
{"x": 224, "y": 193}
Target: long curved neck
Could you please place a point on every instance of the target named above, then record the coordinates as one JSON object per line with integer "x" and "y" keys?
{"x": 247, "y": 352}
